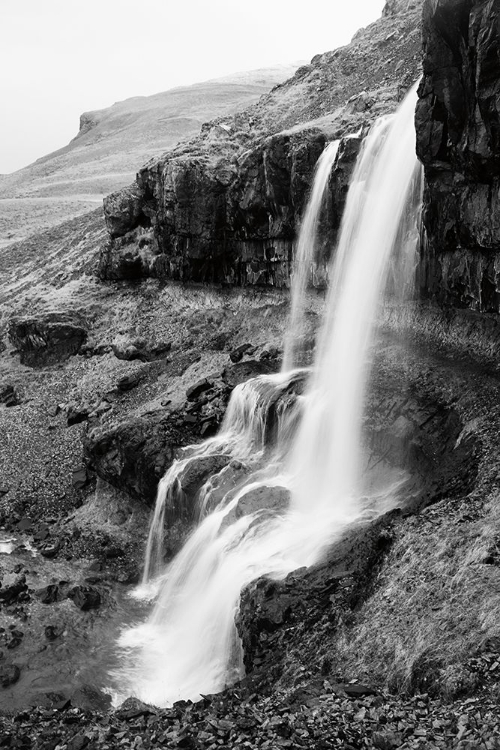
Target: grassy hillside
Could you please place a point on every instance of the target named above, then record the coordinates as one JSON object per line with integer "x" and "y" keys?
{"x": 113, "y": 143}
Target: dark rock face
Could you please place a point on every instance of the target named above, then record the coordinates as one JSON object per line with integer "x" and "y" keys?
{"x": 223, "y": 219}
{"x": 134, "y": 454}
{"x": 48, "y": 338}
{"x": 458, "y": 141}
{"x": 273, "y": 614}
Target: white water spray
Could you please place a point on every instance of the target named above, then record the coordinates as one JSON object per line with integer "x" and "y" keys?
{"x": 305, "y": 254}
{"x": 189, "y": 646}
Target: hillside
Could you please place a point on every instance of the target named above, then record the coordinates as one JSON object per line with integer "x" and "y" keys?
{"x": 113, "y": 143}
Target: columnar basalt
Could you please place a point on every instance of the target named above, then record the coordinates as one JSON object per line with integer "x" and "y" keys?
{"x": 458, "y": 141}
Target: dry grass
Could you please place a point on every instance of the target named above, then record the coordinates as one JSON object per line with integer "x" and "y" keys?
{"x": 436, "y": 606}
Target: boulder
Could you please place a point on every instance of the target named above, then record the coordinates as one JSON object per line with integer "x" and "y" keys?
{"x": 47, "y": 338}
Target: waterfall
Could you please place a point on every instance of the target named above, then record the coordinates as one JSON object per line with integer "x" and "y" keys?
{"x": 326, "y": 456}
{"x": 305, "y": 254}
{"x": 311, "y": 476}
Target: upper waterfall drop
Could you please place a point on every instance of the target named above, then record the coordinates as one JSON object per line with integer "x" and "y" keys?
{"x": 189, "y": 646}
{"x": 305, "y": 254}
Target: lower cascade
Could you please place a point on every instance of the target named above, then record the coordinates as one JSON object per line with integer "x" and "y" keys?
{"x": 294, "y": 473}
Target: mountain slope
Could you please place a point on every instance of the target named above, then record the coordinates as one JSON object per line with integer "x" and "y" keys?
{"x": 113, "y": 143}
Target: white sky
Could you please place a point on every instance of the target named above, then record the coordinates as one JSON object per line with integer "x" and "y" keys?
{"x": 59, "y": 58}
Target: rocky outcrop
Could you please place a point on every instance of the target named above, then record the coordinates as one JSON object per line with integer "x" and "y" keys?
{"x": 458, "y": 141}
{"x": 196, "y": 218}
{"x": 226, "y": 207}
{"x": 47, "y": 338}
{"x": 133, "y": 454}
{"x": 273, "y": 614}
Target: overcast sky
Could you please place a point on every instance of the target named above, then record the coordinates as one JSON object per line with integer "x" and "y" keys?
{"x": 59, "y": 58}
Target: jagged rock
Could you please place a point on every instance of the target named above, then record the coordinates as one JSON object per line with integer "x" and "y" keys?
{"x": 124, "y": 211}
{"x": 53, "y": 592}
{"x": 52, "y": 632}
{"x": 84, "y": 597}
{"x": 10, "y": 593}
{"x": 50, "y": 549}
{"x": 458, "y": 141}
{"x": 48, "y": 338}
{"x": 198, "y": 388}
{"x": 236, "y": 355}
{"x": 133, "y": 708}
{"x": 77, "y": 413}
{"x": 134, "y": 454}
{"x": 194, "y": 476}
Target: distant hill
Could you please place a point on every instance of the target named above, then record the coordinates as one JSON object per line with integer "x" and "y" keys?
{"x": 113, "y": 143}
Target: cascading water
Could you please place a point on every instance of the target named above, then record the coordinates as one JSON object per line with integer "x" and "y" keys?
{"x": 305, "y": 253}
{"x": 189, "y": 645}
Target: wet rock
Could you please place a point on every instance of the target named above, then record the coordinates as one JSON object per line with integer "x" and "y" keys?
{"x": 47, "y": 338}
{"x": 84, "y": 597}
{"x": 193, "y": 477}
{"x": 271, "y": 499}
{"x": 9, "y": 674}
{"x": 273, "y": 613}
{"x": 134, "y": 454}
